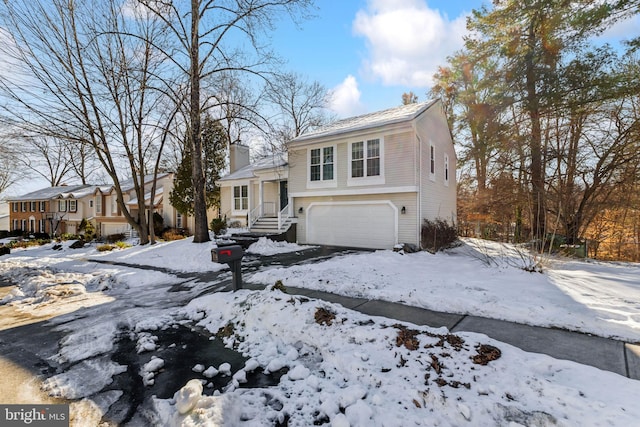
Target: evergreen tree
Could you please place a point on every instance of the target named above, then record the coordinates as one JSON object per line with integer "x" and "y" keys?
{"x": 214, "y": 149}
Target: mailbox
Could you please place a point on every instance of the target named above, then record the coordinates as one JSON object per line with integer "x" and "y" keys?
{"x": 227, "y": 254}
{"x": 231, "y": 255}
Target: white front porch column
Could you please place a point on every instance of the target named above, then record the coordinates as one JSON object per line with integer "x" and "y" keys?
{"x": 260, "y": 197}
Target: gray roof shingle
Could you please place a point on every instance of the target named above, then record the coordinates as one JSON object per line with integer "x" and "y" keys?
{"x": 366, "y": 121}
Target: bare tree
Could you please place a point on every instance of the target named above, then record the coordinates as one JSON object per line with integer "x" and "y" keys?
{"x": 46, "y": 156}
{"x": 202, "y": 31}
{"x": 88, "y": 76}
{"x": 300, "y": 106}
{"x": 9, "y": 173}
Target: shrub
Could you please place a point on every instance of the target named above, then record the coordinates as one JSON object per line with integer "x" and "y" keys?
{"x": 105, "y": 248}
{"x": 88, "y": 229}
{"x": 112, "y": 238}
{"x": 437, "y": 235}
{"x": 122, "y": 245}
{"x": 172, "y": 234}
{"x": 218, "y": 225}
{"x": 235, "y": 224}
{"x": 69, "y": 236}
{"x": 158, "y": 223}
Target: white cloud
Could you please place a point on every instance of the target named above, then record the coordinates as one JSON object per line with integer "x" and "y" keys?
{"x": 345, "y": 98}
{"x": 406, "y": 40}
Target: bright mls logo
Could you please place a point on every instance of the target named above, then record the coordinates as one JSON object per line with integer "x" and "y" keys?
{"x": 34, "y": 415}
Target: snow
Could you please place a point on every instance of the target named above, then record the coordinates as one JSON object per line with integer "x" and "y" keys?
{"x": 485, "y": 279}
{"x": 342, "y": 367}
{"x": 266, "y": 246}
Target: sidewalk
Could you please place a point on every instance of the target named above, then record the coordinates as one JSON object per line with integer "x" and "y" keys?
{"x": 603, "y": 353}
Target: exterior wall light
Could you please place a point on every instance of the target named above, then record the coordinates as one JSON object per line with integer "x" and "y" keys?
{"x": 403, "y": 210}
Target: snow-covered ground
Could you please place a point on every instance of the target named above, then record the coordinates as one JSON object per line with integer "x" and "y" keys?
{"x": 343, "y": 368}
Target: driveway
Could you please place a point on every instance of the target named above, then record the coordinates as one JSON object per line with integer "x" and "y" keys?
{"x": 54, "y": 350}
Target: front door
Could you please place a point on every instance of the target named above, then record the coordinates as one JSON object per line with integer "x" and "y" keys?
{"x": 284, "y": 195}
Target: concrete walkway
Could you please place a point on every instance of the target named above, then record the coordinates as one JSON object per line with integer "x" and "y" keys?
{"x": 606, "y": 354}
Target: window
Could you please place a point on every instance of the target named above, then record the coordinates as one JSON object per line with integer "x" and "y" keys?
{"x": 178, "y": 220}
{"x": 98, "y": 205}
{"x": 43, "y": 206}
{"x": 446, "y": 169}
{"x": 90, "y": 203}
{"x": 357, "y": 159}
{"x": 41, "y": 226}
{"x": 23, "y": 206}
{"x": 241, "y": 197}
{"x": 362, "y": 166}
{"x": 62, "y": 205}
{"x": 73, "y": 205}
{"x": 32, "y": 208}
{"x": 16, "y": 225}
{"x": 321, "y": 164}
{"x": 366, "y": 165}
{"x": 15, "y": 206}
{"x": 433, "y": 159}
{"x": 432, "y": 162}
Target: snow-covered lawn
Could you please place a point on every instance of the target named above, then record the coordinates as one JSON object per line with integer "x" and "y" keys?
{"x": 343, "y": 368}
{"x": 486, "y": 279}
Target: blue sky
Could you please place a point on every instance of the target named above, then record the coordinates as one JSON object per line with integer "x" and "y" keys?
{"x": 370, "y": 52}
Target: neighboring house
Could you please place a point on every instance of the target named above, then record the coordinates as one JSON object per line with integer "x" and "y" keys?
{"x": 59, "y": 210}
{"x": 255, "y": 194}
{"x": 5, "y": 219}
{"x": 367, "y": 181}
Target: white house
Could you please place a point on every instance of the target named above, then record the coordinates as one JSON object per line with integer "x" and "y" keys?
{"x": 255, "y": 194}
{"x": 366, "y": 181}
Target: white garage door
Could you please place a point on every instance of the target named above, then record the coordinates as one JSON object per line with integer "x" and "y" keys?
{"x": 370, "y": 225}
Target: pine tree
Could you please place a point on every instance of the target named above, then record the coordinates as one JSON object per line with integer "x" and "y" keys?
{"x": 214, "y": 147}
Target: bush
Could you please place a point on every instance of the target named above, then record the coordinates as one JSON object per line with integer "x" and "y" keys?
{"x": 87, "y": 228}
{"x": 438, "y": 235}
{"x": 122, "y": 245}
{"x": 158, "y": 223}
{"x": 69, "y": 236}
{"x": 112, "y": 238}
{"x": 105, "y": 248}
{"x": 218, "y": 225}
{"x": 173, "y": 234}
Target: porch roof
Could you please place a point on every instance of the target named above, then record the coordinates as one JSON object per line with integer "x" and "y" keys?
{"x": 264, "y": 163}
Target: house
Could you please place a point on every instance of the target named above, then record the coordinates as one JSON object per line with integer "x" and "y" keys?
{"x": 366, "y": 181}
{"x": 46, "y": 210}
{"x": 255, "y": 194}
{"x": 5, "y": 219}
{"x": 60, "y": 210}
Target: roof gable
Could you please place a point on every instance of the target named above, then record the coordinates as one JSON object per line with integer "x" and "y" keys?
{"x": 390, "y": 116}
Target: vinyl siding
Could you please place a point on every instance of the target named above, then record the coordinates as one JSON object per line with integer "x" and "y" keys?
{"x": 437, "y": 199}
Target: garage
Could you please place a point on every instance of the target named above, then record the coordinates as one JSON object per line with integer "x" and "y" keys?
{"x": 359, "y": 225}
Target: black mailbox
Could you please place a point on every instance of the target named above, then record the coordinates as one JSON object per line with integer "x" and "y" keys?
{"x": 231, "y": 255}
{"x": 227, "y": 254}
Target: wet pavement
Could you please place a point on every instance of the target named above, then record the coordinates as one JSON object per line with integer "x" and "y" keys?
{"x": 34, "y": 346}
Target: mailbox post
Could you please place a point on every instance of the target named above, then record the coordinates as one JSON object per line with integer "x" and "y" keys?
{"x": 232, "y": 256}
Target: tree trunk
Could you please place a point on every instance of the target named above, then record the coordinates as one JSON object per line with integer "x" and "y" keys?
{"x": 201, "y": 230}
